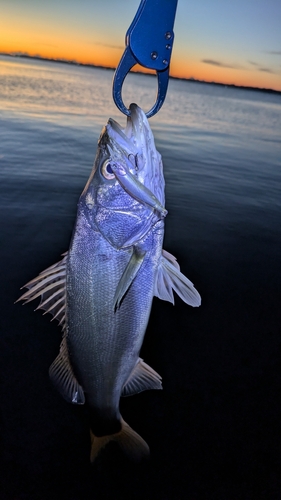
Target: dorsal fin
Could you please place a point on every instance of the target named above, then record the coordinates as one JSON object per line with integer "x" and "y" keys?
{"x": 63, "y": 378}
{"x": 50, "y": 285}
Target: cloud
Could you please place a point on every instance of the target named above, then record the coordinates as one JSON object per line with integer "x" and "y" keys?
{"x": 274, "y": 52}
{"x": 220, "y": 64}
{"x": 237, "y": 66}
{"x": 108, "y": 45}
{"x": 266, "y": 70}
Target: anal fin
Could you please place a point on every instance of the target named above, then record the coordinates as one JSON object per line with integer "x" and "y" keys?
{"x": 142, "y": 378}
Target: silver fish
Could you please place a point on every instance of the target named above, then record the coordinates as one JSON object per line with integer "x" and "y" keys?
{"x": 101, "y": 291}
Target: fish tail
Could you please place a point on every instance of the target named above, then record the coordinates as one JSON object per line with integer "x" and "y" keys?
{"x": 129, "y": 441}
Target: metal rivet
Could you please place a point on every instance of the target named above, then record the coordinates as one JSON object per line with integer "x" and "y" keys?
{"x": 165, "y": 61}
{"x": 168, "y": 35}
{"x": 168, "y": 46}
{"x": 154, "y": 55}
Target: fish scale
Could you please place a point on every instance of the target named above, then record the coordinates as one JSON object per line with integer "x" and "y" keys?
{"x": 101, "y": 292}
{"x": 114, "y": 330}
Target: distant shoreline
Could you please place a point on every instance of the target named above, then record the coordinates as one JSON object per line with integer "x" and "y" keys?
{"x": 75, "y": 63}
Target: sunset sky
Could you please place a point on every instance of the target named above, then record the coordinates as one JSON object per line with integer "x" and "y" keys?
{"x": 215, "y": 40}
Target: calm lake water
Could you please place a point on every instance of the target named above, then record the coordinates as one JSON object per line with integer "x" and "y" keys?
{"x": 214, "y": 431}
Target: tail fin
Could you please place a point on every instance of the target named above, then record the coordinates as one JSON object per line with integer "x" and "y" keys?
{"x": 129, "y": 441}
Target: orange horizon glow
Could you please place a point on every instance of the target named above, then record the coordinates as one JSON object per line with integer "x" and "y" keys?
{"x": 209, "y": 73}
{"x": 203, "y": 52}
{"x": 109, "y": 57}
{"x": 101, "y": 56}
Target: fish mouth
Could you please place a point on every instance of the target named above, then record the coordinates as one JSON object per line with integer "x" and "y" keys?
{"x": 136, "y": 122}
{"x": 131, "y": 138}
{"x": 129, "y": 150}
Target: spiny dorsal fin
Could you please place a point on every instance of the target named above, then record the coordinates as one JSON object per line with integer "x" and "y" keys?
{"x": 50, "y": 285}
{"x": 63, "y": 378}
{"x": 142, "y": 378}
{"x": 169, "y": 278}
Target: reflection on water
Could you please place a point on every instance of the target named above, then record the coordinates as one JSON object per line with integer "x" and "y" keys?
{"x": 221, "y": 146}
{"x": 220, "y": 363}
{"x": 34, "y": 86}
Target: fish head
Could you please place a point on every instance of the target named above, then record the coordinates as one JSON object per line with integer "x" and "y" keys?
{"x": 124, "y": 196}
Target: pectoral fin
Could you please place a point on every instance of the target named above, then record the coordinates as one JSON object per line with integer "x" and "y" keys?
{"x": 170, "y": 278}
{"x": 63, "y": 378}
{"x": 142, "y": 378}
{"x": 128, "y": 275}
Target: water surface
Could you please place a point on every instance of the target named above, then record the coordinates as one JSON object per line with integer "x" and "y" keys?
{"x": 214, "y": 431}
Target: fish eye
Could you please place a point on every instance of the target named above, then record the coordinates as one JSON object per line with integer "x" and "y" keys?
{"x": 106, "y": 170}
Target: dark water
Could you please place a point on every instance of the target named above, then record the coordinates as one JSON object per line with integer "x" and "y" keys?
{"x": 214, "y": 431}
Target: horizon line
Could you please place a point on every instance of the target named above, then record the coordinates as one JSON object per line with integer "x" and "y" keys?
{"x": 112, "y": 68}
